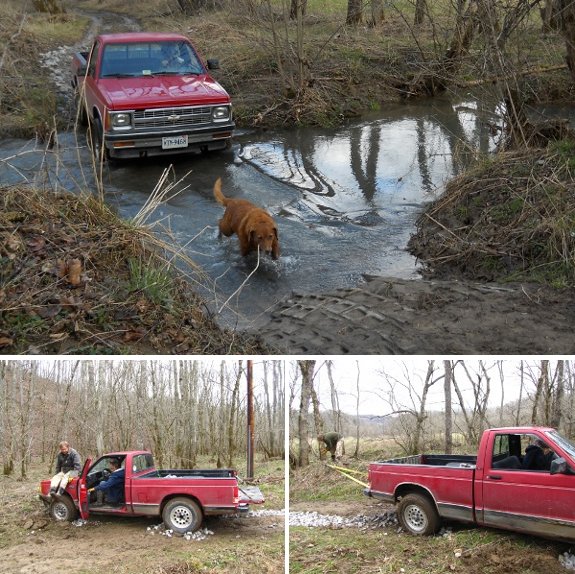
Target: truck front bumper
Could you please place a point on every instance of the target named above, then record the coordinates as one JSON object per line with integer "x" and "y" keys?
{"x": 147, "y": 144}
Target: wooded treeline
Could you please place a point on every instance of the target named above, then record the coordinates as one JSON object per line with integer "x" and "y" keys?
{"x": 186, "y": 412}
{"x": 530, "y": 393}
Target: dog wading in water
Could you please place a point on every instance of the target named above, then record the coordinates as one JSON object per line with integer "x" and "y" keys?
{"x": 253, "y": 225}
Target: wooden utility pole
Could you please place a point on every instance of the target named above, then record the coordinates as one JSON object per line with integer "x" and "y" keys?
{"x": 251, "y": 422}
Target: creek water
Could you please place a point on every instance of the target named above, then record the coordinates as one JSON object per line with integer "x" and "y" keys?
{"x": 345, "y": 200}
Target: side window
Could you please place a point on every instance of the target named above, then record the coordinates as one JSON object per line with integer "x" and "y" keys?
{"x": 93, "y": 60}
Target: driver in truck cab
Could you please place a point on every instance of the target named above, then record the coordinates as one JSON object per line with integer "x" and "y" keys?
{"x": 173, "y": 58}
{"x": 111, "y": 490}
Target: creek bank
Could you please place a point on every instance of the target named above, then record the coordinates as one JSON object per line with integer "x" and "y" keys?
{"x": 76, "y": 279}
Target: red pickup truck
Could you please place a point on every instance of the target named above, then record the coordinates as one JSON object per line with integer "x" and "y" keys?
{"x": 509, "y": 484}
{"x": 150, "y": 94}
{"x": 181, "y": 497}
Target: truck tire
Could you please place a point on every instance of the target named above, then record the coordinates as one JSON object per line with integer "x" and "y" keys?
{"x": 63, "y": 509}
{"x": 96, "y": 141}
{"x": 182, "y": 515}
{"x": 82, "y": 115}
{"x": 418, "y": 515}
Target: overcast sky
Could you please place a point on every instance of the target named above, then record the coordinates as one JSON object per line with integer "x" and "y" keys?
{"x": 373, "y": 385}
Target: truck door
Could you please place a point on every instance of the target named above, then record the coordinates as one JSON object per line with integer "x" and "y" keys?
{"x": 533, "y": 501}
{"x": 82, "y": 491}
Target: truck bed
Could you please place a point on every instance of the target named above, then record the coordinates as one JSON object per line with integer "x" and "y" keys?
{"x": 190, "y": 473}
{"x": 451, "y": 460}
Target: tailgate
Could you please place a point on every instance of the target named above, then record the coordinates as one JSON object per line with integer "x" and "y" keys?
{"x": 250, "y": 495}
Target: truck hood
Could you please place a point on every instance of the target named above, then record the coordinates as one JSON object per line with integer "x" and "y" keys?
{"x": 161, "y": 91}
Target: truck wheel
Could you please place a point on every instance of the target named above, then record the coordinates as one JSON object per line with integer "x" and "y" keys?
{"x": 96, "y": 141}
{"x": 63, "y": 509}
{"x": 81, "y": 108}
{"x": 182, "y": 515}
{"x": 417, "y": 514}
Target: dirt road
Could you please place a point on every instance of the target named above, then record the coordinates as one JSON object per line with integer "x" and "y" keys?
{"x": 31, "y": 543}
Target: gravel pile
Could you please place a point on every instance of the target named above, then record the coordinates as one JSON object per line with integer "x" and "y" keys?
{"x": 567, "y": 560}
{"x": 317, "y": 520}
{"x": 160, "y": 529}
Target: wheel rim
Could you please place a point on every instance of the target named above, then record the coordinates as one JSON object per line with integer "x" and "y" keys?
{"x": 182, "y": 517}
{"x": 415, "y": 518}
{"x": 60, "y": 511}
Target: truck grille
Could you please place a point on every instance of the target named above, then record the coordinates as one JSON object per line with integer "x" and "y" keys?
{"x": 172, "y": 117}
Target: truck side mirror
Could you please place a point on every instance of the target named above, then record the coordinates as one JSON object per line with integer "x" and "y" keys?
{"x": 82, "y": 71}
{"x": 213, "y": 64}
{"x": 559, "y": 466}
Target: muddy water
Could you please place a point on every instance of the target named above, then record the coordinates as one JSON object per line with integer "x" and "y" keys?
{"x": 345, "y": 200}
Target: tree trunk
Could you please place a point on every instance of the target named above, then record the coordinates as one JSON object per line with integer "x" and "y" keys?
{"x": 448, "y": 410}
{"x": 377, "y": 15}
{"x": 550, "y": 18}
{"x": 306, "y": 368}
{"x": 566, "y": 11}
{"x": 557, "y": 407}
{"x": 542, "y": 384}
{"x": 420, "y": 11}
{"x": 297, "y": 7}
{"x": 354, "y": 12}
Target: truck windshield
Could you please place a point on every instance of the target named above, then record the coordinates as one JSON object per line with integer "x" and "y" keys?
{"x": 564, "y": 443}
{"x": 148, "y": 59}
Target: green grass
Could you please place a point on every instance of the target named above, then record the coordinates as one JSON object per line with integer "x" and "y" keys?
{"x": 152, "y": 281}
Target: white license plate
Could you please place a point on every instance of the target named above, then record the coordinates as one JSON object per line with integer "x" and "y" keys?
{"x": 174, "y": 142}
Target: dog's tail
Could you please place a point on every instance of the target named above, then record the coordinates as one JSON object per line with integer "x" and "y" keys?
{"x": 220, "y": 197}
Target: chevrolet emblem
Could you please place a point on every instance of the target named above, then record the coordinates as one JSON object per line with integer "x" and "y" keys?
{"x": 174, "y": 118}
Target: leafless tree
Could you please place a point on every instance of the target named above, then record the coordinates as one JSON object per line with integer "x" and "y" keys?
{"x": 412, "y": 413}
{"x": 476, "y": 416}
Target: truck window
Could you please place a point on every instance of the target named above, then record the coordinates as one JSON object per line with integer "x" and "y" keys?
{"x": 142, "y": 462}
{"x": 149, "y": 58}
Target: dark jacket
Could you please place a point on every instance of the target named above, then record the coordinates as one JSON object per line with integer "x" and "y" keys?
{"x": 534, "y": 458}
{"x": 114, "y": 486}
{"x": 68, "y": 462}
{"x": 331, "y": 439}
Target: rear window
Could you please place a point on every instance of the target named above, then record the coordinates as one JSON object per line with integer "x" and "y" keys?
{"x": 142, "y": 462}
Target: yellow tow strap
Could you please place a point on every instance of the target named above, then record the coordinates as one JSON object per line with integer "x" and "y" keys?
{"x": 346, "y": 472}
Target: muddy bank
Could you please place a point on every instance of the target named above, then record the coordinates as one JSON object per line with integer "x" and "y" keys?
{"x": 391, "y": 316}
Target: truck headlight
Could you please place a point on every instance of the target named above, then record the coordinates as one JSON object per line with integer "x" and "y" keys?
{"x": 121, "y": 120}
{"x": 220, "y": 113}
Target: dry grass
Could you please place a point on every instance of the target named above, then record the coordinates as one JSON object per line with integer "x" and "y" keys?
{"x": 509, "y": 219}
{"x": 77, "y": 279}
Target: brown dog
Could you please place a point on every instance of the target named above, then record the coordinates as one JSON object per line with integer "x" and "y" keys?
{"x": 253, "y": 226}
